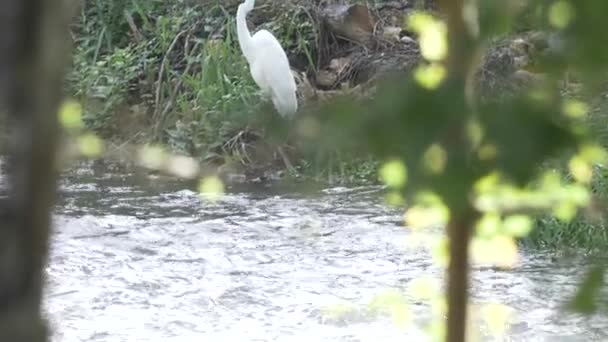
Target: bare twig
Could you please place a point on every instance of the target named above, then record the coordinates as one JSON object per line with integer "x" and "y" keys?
{"x": 98, "y": 46}
{"x": 188, "y": 56}
{"x": 315, "y": 31}
{"x": 133, "y": 27}
{"x": 159, "y": 82}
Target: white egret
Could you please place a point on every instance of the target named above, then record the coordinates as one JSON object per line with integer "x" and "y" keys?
{"x": 269, "y": 67}
{"x": 268, "y": 63}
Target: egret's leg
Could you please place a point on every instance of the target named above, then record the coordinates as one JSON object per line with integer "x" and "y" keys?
{"x": 286, "y": 160}
{"x": 266, "y": 95}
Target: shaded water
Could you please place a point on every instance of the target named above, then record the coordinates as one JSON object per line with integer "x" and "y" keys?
{"x": 150, "y": 261}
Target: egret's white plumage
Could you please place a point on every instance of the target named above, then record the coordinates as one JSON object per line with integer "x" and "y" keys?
{"x": 268, "y": 63}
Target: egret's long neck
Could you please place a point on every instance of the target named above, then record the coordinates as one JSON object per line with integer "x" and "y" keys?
{"x": 245, "y": 40}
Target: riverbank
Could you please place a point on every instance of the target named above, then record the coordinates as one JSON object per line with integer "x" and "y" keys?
{"x": 156, "y": 73}
{"x": 172, "y": 73}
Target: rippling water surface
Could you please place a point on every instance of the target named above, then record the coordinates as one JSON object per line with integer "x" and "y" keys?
{"x": 147, "y": 260}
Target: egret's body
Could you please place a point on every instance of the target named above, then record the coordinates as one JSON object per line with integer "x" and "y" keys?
{"x": 268, "y": 64}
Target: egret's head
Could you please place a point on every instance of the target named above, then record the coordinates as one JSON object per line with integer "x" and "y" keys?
{"x": 248, "y": 5}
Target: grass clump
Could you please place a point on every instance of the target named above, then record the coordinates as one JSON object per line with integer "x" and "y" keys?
{"x": 587, "y": 230}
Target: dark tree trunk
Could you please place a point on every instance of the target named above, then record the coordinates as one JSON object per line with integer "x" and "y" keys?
{"x": 33, "y": 51}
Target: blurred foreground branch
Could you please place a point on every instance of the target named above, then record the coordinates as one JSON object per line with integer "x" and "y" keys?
{"x": 460, "y": 64}
{"x": 33, "y": 50}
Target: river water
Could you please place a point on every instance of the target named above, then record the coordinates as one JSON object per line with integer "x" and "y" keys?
{"x": 145, "y": 259}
